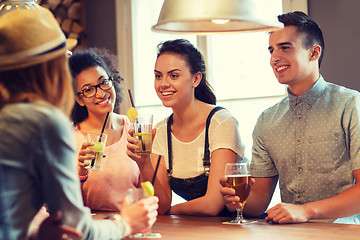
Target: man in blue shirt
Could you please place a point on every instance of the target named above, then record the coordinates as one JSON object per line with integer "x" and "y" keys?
{"x": 310, "y": 141}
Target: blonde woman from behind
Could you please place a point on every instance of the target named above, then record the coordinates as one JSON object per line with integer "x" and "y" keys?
{"x": 36, "y": 146}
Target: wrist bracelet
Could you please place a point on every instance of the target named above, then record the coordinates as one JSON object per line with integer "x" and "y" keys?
{"x": 83, "y": 178}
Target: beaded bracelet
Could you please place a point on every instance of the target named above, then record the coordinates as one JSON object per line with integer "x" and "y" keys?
{"x": 83, "y": 178}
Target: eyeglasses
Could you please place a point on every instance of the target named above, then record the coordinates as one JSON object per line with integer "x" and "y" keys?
{"x": 90, "y": 91}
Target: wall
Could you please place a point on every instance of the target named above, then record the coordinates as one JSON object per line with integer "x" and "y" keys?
{"x": 340, "y": 23}
{"x": 104, "y": 27}
{"x": 100, "y": 24}
{"x": 339, "y": 20}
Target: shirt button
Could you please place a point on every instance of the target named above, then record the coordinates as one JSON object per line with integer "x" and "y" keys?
{"x": 299, "y": 116}
{"x": 297, "y": 196}
{"x": 298, "y": 142}
{"x": 299, "y": 169}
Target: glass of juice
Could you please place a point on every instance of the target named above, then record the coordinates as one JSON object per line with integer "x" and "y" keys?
{"x": 99, "y": 141}
{"x": 143, "y": 132}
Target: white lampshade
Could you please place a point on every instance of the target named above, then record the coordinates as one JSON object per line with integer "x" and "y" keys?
{"x": 10, "y": 5}
{"x": 214, "y": 16}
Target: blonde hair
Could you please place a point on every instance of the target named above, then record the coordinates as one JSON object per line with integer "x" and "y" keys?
{"x": 49, "y": 81}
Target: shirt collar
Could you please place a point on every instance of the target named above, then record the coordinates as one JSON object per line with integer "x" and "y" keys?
{"x": 310, "y": 96}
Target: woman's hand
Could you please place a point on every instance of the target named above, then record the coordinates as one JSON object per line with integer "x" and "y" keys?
{"x": 85, "y": 154}
{"x": 51, "y": 228}
{"x": 141, "y": 215}
{"x": 131, "y": 147}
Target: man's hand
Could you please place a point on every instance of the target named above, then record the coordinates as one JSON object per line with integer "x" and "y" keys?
{"x": 231, "y": 201}
{"x": 287, "y": 213}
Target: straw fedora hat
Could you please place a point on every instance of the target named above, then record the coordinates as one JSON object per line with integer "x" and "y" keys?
{"x": 29, "y": 37}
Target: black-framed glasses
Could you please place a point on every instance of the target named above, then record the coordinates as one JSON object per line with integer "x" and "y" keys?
{"x": 90, "y": 91}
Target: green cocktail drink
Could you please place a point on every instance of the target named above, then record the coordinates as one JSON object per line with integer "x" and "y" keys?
{"x": 96, "y": 162}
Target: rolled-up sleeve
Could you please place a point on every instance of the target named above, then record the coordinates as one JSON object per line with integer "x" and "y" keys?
{"x": 61, "y": 187}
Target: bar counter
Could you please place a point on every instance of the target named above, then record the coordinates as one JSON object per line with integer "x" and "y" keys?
{"x": 195, "y": 228}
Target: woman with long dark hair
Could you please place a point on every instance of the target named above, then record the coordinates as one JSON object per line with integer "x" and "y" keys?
{"x": 195, "y": 142}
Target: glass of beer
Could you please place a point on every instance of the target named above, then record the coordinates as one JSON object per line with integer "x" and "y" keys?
{"x": 238, "y": 178}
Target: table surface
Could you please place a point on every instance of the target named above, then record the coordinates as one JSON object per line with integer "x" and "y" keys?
{"x": 191, "y": 227}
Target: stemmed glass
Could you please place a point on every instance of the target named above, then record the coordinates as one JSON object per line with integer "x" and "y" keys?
{"x": 238, "y": 178}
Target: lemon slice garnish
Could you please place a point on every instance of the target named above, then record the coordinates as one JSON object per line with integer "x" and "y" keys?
{"x": 132, "y": 114}
{"x": 148, "y": 189}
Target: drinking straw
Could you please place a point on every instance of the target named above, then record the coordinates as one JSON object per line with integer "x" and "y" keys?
{"x": 131, "y": 98}
{"x": 103, "y": 128}
{"x": 101, "y": 134}
{"x": 133, "y": 105}
{"x": 156, "y": 169}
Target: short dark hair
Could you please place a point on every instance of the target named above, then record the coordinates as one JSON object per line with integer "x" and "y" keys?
{"x": 195, "y": 60}
{"x": 313, "y": 34}
{"x": 93, "y": 57}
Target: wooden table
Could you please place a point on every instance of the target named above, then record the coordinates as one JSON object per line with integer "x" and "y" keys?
{"x": 198, "y": 228}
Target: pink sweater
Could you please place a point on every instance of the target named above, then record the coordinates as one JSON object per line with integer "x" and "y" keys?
{"x": 106, "y": 188}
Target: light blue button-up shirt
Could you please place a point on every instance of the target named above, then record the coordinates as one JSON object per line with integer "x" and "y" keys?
{"x": 38, "y": 164}
{"x": 312, "y": 142}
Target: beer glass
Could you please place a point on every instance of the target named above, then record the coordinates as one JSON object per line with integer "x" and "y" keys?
{"x": 238, "y": 178}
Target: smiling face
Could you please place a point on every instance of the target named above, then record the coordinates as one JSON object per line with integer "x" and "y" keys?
{"x": 292, "y": 64}
{"x": 174, "y": 83}
{"x": 103, "y": 101}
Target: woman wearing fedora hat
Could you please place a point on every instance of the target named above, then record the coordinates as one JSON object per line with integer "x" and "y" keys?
{"x": 36, "y": 145}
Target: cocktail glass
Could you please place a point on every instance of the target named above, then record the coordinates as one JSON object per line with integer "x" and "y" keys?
{"x": 99, "y": 141}
{"x": 143, "y": 132}
{"x": 134, "y": 195}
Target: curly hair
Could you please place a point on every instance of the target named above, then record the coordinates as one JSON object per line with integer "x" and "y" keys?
{"x": 93, "y": 57}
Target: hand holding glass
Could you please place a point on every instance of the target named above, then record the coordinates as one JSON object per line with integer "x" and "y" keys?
{"x": 134, "y": 195}
{"x": 99, "y": 141}
{"x": 239, "y": 178}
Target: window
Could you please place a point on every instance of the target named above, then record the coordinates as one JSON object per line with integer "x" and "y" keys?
{"x": 237, "y": 66}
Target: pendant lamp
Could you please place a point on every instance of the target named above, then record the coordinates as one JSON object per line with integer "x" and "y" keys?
{"x": 10, "y": 5}
{"x": 215, "y": 16}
